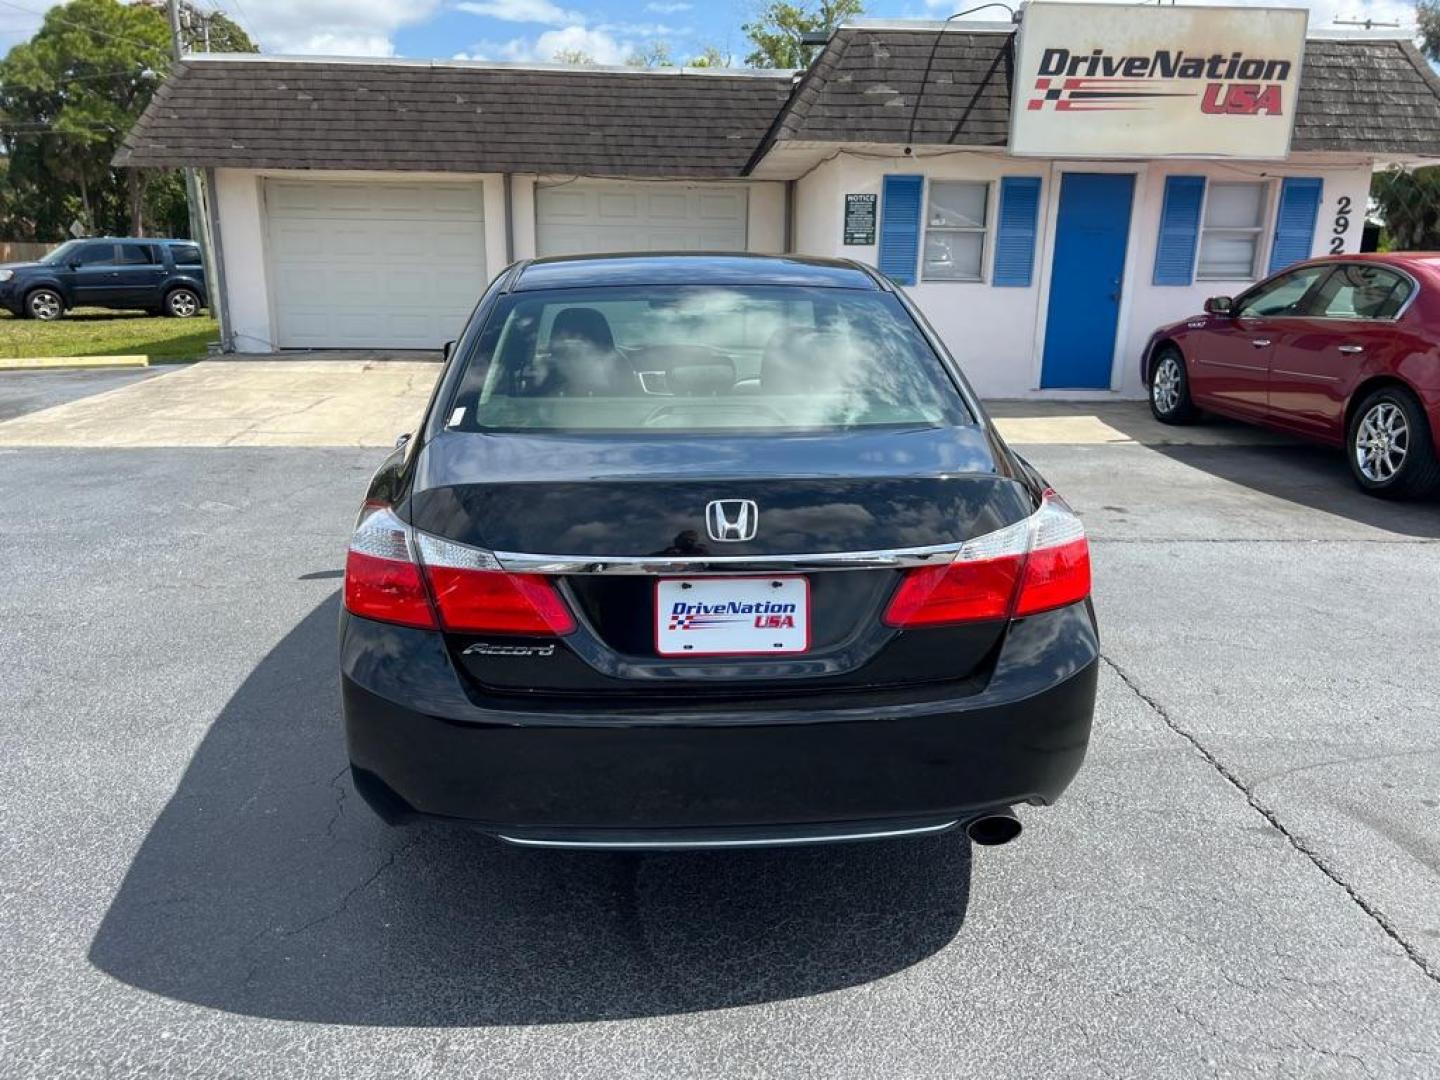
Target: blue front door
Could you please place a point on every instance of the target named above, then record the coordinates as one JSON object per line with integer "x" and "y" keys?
{"x": 1085, "y": 276}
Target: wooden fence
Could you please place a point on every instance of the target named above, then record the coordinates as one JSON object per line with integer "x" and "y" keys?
{"x": 21, "y": 250}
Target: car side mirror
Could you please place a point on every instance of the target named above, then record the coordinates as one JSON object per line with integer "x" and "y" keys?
{"x": 446, "y": 350}
{"x": 1219, "y": 305}
{"x": 401, "y": 440}
{"x": 73, "y": 264}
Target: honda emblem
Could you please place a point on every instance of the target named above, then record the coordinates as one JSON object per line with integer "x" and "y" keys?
{"x": 732, "y": 520}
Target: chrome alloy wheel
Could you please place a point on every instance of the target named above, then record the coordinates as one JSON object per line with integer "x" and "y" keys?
{"x": 183, "y": 303}
{"x": 1165, "y": 385}
{"x": 45, "y": 305}
{"x": 1381, "y": 442}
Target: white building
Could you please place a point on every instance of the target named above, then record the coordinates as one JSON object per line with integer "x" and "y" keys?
{"x": 366, "y": 203}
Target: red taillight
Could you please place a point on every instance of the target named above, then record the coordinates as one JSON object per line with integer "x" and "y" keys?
{"x": 385, "y": 580}
{"x": 1032, "y": 566}
{"x": 1055, "y": 577}
{"x": 492, "y": 601}
{"x": 382, "y": 581}
{"x": 473, "y": 594}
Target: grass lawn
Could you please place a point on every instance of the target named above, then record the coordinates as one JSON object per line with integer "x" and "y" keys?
{"x": 97, "y": 332}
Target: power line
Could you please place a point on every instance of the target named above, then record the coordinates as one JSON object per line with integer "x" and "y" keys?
{"x": 139, "y": 71}
{"x": 244, "y": 20}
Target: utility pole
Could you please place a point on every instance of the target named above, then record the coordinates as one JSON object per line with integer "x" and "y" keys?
{"x": 1368, "y": 24}
{"x": 196, "y": 202}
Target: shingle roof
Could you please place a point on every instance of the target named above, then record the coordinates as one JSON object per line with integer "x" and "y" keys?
{"x": 1360, "y": 96}
{"x": 1356, "y": 95}
{"x": 863, "y": 87}
{"x": 448, "y": 117}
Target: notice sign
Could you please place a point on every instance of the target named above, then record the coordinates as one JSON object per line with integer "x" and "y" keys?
{"x": 859, "y": 219}
{"x": 1132, "y": 81}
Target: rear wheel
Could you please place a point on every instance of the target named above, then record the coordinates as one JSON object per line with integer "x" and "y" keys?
{"x": 1170, "y": 389}
{"x": 1391, "y": 447}
{"x": 182, "y": 303}
{"x": 47, "y": 305}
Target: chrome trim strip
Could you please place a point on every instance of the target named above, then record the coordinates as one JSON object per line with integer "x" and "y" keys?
{"x": 523, "y": 563}
{"x": 687, "y": 845}
{"x": 1234, "y": 367}
{"x": 1305, "y": 375}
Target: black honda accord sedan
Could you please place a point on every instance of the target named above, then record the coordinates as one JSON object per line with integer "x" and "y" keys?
{"x": 711, "y": 551}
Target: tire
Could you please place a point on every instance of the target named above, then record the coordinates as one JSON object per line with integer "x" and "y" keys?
{"x": 182, "y": 303}
{"x": 1170, "y": 389}
{"x": 1390, "y": 446}
{"x": 44, "y": 304}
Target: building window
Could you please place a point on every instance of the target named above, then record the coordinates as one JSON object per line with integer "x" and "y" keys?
{"x": 1230, "y": 234}
{"x": 955, "y": 220}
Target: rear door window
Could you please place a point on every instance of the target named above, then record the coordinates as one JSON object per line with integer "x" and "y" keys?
{"x": 679, "y": 358}
{"x": 138, "y": 255}
{"x": 1359, "y": 291}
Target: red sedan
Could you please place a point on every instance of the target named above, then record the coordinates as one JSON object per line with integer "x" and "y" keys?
{"x": 1343, "y": 349}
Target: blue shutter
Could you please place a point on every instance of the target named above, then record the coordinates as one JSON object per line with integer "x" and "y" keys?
{"x": 1295, "y": 220}
{"x": 1179, "y": 230}
{"x": 900, "y": 227}
{"x": 1015, "y": 233}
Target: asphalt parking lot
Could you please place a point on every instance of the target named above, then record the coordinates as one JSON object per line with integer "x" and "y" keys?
{"x": 1243, "y": 882}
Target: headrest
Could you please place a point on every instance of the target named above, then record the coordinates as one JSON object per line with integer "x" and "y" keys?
{"x": 581, "y": 325}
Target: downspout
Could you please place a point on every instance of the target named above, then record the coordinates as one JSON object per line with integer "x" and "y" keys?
{"x": 219, "y": 294}
{"x": 789, "y": 217}
{"x": 509, "y": 219}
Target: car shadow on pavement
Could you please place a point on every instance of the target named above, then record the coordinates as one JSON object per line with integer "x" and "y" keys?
{"x": 1314, "y": 476}
{"x": 266, "y": 887}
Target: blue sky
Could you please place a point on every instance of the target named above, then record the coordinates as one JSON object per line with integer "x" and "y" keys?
{"x": 534, "y": 30}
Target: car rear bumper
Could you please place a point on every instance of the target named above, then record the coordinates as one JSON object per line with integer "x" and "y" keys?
{"x": 420, "y": 746}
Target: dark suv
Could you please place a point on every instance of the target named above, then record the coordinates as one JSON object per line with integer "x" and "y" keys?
{"x": 161, "y": 276}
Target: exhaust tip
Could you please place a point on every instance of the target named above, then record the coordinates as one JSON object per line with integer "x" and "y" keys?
{"x": 994, "y": 829}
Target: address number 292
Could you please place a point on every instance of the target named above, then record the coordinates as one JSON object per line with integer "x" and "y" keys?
{"x": 1342, "y": 225}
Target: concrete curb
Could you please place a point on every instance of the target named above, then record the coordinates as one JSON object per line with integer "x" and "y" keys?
{"x": 46, "y": 363}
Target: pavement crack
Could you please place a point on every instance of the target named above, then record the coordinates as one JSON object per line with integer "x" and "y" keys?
{"x": 343, "y": 904}
{"x": 1376, "y": 915}
{"x": 341, "y": 791}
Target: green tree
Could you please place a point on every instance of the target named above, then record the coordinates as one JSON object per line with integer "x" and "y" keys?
{"x": 709, "y": 57}
{"x": 656, "y": 54}
{"x": 1427, "y": 26}
{"x": 67, "y": 98}
{"x": 1408, "y": 202}
{"x": 578, "y": 57}
{"x": 778, "y": 32}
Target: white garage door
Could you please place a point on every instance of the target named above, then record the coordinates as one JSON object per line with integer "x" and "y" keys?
{"x": 396, "y": 266}
{"x": 581, "y": 217}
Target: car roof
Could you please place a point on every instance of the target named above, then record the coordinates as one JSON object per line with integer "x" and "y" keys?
{"x": 1400, "y": 258}
{"x": 133, "y": 239}
{"x": 1420, "y": 264}
{"x": 689, "y": 268}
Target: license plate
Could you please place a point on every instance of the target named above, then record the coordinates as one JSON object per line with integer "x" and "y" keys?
{"x": 716, "y": 616}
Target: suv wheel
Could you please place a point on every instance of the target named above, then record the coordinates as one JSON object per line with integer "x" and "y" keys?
{"x": 1391, "y": 448}
{"x": 182, "y": 303}
{"x": 47, "y": 305}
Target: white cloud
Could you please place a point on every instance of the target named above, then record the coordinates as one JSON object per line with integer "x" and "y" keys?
{"x": 597, "y": 44}
{"x": 334, "y": 27}
{"x": 1323, "y": 13}
{"x": 678, "y": 6}
{"x": 522, "y": 11}
{"x": 645, "y": 30}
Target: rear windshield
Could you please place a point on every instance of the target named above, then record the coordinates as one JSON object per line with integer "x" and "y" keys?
{"x": 701, "y": 358}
